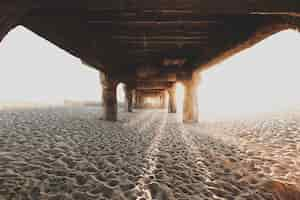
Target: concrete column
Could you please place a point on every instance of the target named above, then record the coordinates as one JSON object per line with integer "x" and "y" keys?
{"x": 172, "y": 98}
{"x": 129, "y": 98}
{"x": 109, "y": 97}
{"x": 190, "y": 104}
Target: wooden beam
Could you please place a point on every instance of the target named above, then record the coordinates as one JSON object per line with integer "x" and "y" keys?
{"x": 205, "y": 6}
{"x": 10, "y": 14}
{"x": 153, "y": 91}
{"x": 245, "y": 41}
{"x": 160, "y": 38}
{"x": 162, "y": 77}
{"x": 152, "y": 85}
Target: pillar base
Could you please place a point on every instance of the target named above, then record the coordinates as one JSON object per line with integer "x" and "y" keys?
{"x": 109, "y": 98}
{"x": 172, "y": 99}
{"x": 129, "y": 98}
{"x": 190, "y": 105}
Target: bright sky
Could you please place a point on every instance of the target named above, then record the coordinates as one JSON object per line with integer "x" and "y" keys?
{"x": 33, "y": 69}
{"x": 262, "y": 78}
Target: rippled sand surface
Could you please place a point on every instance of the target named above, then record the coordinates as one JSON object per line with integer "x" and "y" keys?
{"x": 69, "y": 153}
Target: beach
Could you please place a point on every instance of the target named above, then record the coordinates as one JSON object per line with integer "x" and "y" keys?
{"x": 68, "y": 152}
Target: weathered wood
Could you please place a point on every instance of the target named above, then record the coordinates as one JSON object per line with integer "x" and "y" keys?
{"x": 109, "y": 97}
{"x": 129, "y": 97}
{"x": 163, "y": 95}
{"x": 172, "y": 99}
{"x": 143, "y": 32}
{"x": 11, "y": 12}
{"x": 160, "y": 77}
{"x": 152, "y": 85}
{"x": 190, "y": 104}
{"x": 244, "y": 41}
{"x": 204, "y": 6}
{"x": 151, "y": 43}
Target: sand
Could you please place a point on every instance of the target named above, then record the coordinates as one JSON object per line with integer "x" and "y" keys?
{"x": 69, "y": 153}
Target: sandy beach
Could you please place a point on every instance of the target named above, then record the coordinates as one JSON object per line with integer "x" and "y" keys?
{"x": 60, "y": 153}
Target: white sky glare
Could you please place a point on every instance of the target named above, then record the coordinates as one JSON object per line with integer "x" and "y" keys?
{"x": 33, "y": 69}
{"x": 262, "y": 78}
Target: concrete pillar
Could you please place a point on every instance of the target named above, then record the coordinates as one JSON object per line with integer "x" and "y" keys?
{"x": 129, "y": 98}
{"x": 109, "y": 97}
{"x": 172, "y": 98}
{"x": 190, "y": 104}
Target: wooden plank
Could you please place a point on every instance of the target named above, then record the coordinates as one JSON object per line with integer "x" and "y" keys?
{"x": 204, "y": 6}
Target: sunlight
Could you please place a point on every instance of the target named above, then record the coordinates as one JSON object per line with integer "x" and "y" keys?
{"x": 152, "y": 101}
{"x": 121, "y": 93}
{"x": 263, "y": 78}
{"x": 34, "y": 70}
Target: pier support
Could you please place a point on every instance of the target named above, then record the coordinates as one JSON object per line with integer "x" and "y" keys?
{"x": 172, "y": 98}
{"x": 134, "y": 99}
{"x": 166, "y": 103}
{"x": 129, "y": 98}
{"x": 162, "y": 100}
{"x": 190, "y": 104}
{"x": 109, "y": 97}
{"x": 137, "y": 100}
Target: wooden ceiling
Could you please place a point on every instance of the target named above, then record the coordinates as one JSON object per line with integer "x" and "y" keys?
{"x": 119, "y": 36}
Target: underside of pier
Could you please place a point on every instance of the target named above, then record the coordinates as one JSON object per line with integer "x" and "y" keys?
{"x": 151, "y": 45}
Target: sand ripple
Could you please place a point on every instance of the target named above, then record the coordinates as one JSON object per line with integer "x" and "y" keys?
{"x": 69, "y": 153}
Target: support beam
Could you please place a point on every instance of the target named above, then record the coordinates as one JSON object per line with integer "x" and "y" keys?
{"x": 11, "y": 12}
{"x": 164, "y": 99}
{"x": 129, "y": 98}
{"x": 161, "y": 98}
{"x": 190, "y": 104}
{"x": 204, "y": 7}
{"x": 133, "y": 98}
{"x": 166, "y": 103}
{"x": 152, "y": 85}
{"x": 109, "y": 97}
{"x": 172, "y": 98}
{"x": 138, "y": 99}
